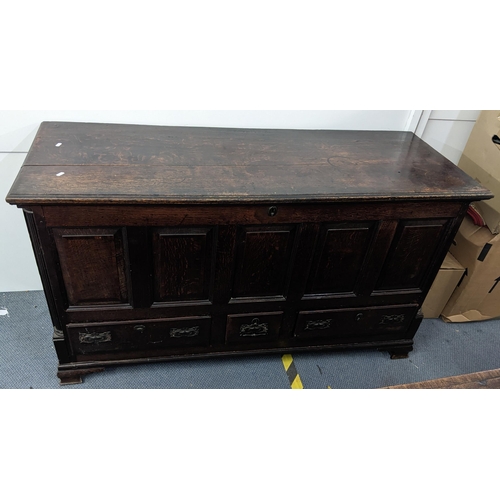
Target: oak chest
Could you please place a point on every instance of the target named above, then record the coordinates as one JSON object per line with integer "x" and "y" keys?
{"x": 155, "y": 243}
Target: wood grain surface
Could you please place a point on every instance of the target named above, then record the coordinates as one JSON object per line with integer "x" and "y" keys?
{"x": 489, "y": 379}
{"x": 109, "y": 163}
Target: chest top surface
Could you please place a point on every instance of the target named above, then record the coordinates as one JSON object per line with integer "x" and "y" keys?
{"x": 110, "y": 163}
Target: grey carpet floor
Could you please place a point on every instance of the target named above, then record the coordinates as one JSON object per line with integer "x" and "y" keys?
{"x": 28, "y": 359}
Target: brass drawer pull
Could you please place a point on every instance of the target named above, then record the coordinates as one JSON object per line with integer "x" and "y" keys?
{"x": 390, "y": 319}
{"x": 94, "y": 337}
{"x": 319, "y": 324}
{"x": 178, "y": 333}
{"x": 254, "y": 329}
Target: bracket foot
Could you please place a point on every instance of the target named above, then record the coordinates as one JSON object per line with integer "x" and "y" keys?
{"x": 68, "y": 377}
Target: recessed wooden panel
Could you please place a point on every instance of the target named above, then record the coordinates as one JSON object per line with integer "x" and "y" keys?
{"x": 414, "y": 245}
{"x": 93, "y": 265}
{"x": 262, "y": 262}
{"x": 183, "y": 263}
{"x": 339, "y": 256}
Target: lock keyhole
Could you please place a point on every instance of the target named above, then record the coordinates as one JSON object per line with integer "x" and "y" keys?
{"x": 272, "y": 211}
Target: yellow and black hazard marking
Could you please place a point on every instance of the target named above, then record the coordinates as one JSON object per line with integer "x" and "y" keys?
{"x": 291, "y": 371}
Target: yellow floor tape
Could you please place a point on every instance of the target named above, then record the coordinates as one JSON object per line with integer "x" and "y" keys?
{"x": 291, "y": 371}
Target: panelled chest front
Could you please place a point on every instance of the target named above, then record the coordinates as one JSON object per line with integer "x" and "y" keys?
{"x": 156, "y": 243}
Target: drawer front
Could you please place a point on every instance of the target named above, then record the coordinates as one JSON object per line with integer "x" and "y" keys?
{"x": 253, "y": 328}
{"x": 131, "y": 335}
{"x": 346, "y": 322}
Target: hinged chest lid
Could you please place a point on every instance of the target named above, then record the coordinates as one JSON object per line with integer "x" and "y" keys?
{"x": 110, "y": 163}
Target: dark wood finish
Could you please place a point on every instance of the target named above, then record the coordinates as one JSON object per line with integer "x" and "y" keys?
{"x": 69, "y": 377}
{"x": 183, "y": 261}
{"x": 412, "y": 250}
{"x": 150, "y": 164}
{"x": 352, "y": 322}
{"x": 150, "y": 356}
{"x": 262, "y": 261}
{"x": 342, "y": 248}
{"x": 253, "y": 328}
{"x": 51, "y": 296}
{"x": 194, "y": 215}
{"x": 489, "y": 379}
{"x": 402, "y": 351}
{"x": 385, "y": 231}
{"x": 93, "y": 264}
{"x": 164, "y": 243}
{"x": 140, "y": 253}
{"x": 88, "y": 338}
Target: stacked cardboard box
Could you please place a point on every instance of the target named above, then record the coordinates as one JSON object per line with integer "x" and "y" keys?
{"x": 448, "y": 277}
{"x": 481, "y": 160}
{"x": 477, "y": 296}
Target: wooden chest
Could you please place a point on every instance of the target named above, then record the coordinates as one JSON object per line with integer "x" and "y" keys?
{"x": 156, "y": 243}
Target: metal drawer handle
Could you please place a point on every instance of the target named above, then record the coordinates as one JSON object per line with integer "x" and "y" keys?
{"x": 140, "y": 328}
{"x": 254, "y": 329}
{"x": 319, "y": 324}
{"x": 177, "y": 333}
{"x": 390, "y": 319}
{"x": 94, "y": 337}
{"x": 359, "y": 316}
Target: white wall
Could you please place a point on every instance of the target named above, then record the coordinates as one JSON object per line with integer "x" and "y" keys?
{"x": 447, "y": 131}
{"x": 18, "y": 270}
{"x": 18, "y": 128}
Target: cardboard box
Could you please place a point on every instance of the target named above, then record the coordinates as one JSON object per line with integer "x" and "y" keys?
{"x": 477, "y": 296}
{"x": 481, "y": 160}
{"x": 450, "y": 273}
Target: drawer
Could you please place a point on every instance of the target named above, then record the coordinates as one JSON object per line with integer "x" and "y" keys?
{"x": 130, "y": 335}
{"x": 346, "y": 322}
{"x": 253, "y": 328}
